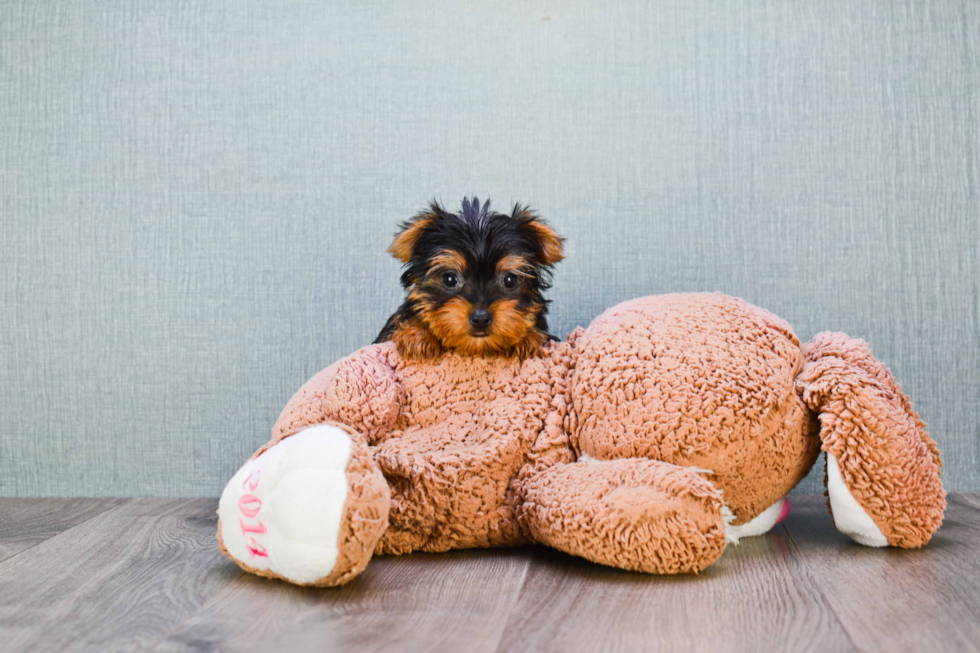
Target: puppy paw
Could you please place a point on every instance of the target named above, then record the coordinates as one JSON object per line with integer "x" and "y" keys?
{"x": 308, "y": 510}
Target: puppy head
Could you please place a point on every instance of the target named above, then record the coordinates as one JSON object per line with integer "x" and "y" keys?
{"x": 475, "y": 278}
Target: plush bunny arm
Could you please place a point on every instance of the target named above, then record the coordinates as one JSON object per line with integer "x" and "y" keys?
{"x": 360, "y": 391}
{"x": 311, "y": 504}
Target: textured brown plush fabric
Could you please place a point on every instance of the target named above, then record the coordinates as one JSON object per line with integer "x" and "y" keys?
{"x": 365, "y": 516}
{"x": 481, "y": 452}
{"x": 886, "y": 457}
{"x": 451, "y": 436}
{"x": 702, "y": 380}
{"x": 642, "y": 515}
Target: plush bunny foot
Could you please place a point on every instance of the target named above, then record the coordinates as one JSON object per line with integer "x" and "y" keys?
{"x": 308, "y": 509}
{"x": 761, "y": 524}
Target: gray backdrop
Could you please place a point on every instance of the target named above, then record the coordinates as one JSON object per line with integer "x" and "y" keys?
{"x": 196, "y": 199}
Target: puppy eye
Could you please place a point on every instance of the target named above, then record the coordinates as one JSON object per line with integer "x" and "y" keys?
{"x": 450, "y": 279}
{"x": 510, "y": 280}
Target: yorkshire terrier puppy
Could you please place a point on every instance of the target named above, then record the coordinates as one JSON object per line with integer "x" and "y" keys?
{"x": 474, "y": 281}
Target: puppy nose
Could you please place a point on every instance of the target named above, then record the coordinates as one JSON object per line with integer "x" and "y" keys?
{"x": 480, "y": 318}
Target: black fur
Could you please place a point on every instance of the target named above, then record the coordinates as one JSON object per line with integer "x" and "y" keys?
{"x": 483, "y": 237}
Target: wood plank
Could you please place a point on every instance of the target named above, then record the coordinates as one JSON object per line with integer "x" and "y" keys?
{"x": 893, "y": 599}
{"x": 968, "y": 499}
{"x": 145, "y": 572}
{"x": 28, "y": 522}
{"x": 117, "y": 582}
{"x": 757, "y": 597}
{"x": 186, "y": 508}
{"x": 456, "y": 601}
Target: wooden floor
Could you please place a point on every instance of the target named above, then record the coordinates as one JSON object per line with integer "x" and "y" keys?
{"x": 125, "y": 575}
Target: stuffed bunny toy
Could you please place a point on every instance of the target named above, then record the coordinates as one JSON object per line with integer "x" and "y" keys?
{"x": 669, "y": 427}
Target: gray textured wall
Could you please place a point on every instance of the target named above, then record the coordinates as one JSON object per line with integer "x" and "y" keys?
{"x": 196, "y": 200}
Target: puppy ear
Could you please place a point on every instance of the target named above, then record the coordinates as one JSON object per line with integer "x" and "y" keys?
{"x": 552, "y": 245}
{"x": 403, "y": 246}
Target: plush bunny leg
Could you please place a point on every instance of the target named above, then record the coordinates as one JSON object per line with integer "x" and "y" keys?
{"x": 633, "y": 513}
{"x": 309, "y": 509}
{"x": 882, "y": 466}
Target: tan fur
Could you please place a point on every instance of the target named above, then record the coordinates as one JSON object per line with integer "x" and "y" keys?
{"x": 511, "y": 331}
{"x": 551, "y": 242}
{"x": 448, "y": 260}
{"x": 404, "y": 243}
{"x": 447, "y": 328}
{"x": 414, "y": 341}
{"x": 513, "y": 264}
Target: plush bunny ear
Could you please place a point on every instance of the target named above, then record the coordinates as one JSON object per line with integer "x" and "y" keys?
{"x": 552, "y": 245}
{"x": 883, "y": 468}
{"x": 403, "y": 246}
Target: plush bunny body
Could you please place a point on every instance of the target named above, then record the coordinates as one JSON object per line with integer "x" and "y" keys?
{"x": 671, "y": 425}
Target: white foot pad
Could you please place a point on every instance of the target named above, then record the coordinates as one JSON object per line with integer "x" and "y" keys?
{"x": 762, "y": 524}
{"x": 849, "y": 517}
{"x": 281, "y": 512}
